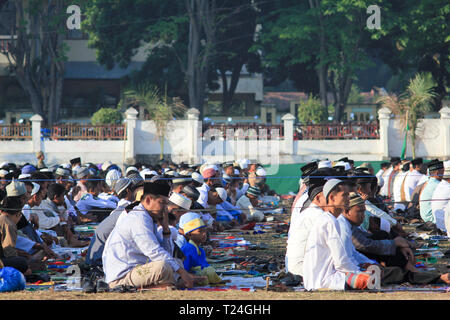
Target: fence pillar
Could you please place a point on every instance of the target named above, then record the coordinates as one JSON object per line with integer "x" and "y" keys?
{"x": 288, "y": 120}
{"x": 194, "y": 127}
{"x": 445, "y": 124}
{"x": 131, "y": 118}
{"x": 384, "y": 114}
{"x": 36, "y": 122}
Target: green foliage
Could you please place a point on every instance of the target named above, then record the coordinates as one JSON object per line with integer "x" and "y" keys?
{"x": 312, "y": 111}
{"x": 161, "y": 108}
{"x": 107, "y": 116}
{"x": 355, "y": 96}
{"x": 412, "y": 105}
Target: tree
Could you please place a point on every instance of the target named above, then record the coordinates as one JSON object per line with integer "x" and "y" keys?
{"x": 328, "y": 35}
{"x": 161, "y": 109}
{"x": 412, "y": 105}
{"x": 107, "y": 116}
{"x": 312, "y": 111}
{"x": 36, "y": 53}
{"x": 415, "y": 36}
{"x": 235, "y": 34}
{"x": 174, "y": 31}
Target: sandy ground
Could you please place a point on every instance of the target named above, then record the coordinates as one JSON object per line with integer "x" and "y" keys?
{"x": 276, "y": 249}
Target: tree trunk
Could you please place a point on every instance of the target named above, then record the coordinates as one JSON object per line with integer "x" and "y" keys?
{"x": 201, "y": 21}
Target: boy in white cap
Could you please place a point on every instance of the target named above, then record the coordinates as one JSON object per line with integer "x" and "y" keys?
{"x": 194, "y": 230}
{"x": 326, "y": 263}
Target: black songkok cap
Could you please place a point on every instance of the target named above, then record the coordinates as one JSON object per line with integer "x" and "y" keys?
{"x": 156, "y": 186}
{"x": 75, "y": 160}
{"x": 435, "y": 164}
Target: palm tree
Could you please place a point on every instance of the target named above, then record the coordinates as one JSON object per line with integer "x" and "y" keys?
{"x": 161, "y": 109}
{"x": 412, "y": 105}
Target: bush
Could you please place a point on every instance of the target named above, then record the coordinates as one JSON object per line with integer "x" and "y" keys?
{"x": 312, "y": 111}
{"x": 107, "y": 116}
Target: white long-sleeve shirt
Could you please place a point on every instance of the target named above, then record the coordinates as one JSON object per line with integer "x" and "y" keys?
{"x": 203, "y": 197}
{"x": 385, "y": 176}
{"x": 134, "y": 241}
{"x": 326, "y": 261}
{"x": 411, "y": 182}
{"x": 299, "y": 205}
{"x": 398, "y": 181}
{"x": 377, "y": 212}
{"x": 440, "y": 199}
{"x": 48, "y": 215}
{"x": 251, "y": 212}
{"x": 297, "y": 235}
{"x": 88, "y": 202}
{"x": 346, "y": 236}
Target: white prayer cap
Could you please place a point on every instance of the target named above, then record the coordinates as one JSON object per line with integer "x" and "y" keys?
{"x": 66, "y": 165}
{"x": 145, "y": 172}
{"x": 185, "y": 173}
{"x": 62, "y": 172}
{"x": 180, "y": 200}
{"x": 261, "y": 172}
{"x": 111, "y": 178}
{"x": 197, "y": 177}
{"x": 24, "y": 176}
{"x": 222, "y": 193}
{"x": 36, "y": 188}
{"x": 244, "y": 163}
{"x": 106, "y": 164}
{"x": 82, "y": 172}
{"x": 131, "y": 169}
{"x": 121, "y": 184}
{"x": 329, "y": 186}
{"x": 4, "y": 164}
{"x": 3, "y": 173}
{"x": 15, "y": 189}
{"x": 324, "y": 164}
{"x": 346, "y": 165}
{"x": 45, "y": 170}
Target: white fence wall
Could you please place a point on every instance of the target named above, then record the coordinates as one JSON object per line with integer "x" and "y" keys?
{"x": 184, "y": 142}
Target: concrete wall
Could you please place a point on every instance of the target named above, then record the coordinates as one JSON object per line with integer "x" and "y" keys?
{"x": 184, "y": 142}
{"x": 430, "y": 135}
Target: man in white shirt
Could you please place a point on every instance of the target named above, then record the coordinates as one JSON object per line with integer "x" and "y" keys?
{"x": 350, "y": 217}
{"x": 441, "y": 197}
{"x": 380, "y": 174}
{"x": 412, "y": 178}
{"x": 210, "y": 178}
{"x": 299, "y": 231}
{"x": 91, "y": 201}
{"x": 134, "y": 255}
{"x": 248, "y": 204}
{"x": 398, "y": 187}
{"x": 326, "y": 264}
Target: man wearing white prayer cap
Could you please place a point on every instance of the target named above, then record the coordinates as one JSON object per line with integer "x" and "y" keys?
{"x": 324, "y": 164}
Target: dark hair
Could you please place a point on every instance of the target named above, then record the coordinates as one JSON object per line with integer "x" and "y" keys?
{"x": 12, "y": 205}
{"x": 28, "y": 183}
{"x": 39, "y": 177}
{"x": 91, "y": 184}
{"x": 55, "y": 190}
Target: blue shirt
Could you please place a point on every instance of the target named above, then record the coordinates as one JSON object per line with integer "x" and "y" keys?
{"x": 426, "y": 212}
{"x": 194, "y": 256}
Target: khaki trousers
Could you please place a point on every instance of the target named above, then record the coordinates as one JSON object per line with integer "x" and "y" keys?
{"x": 150, "y": 274}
